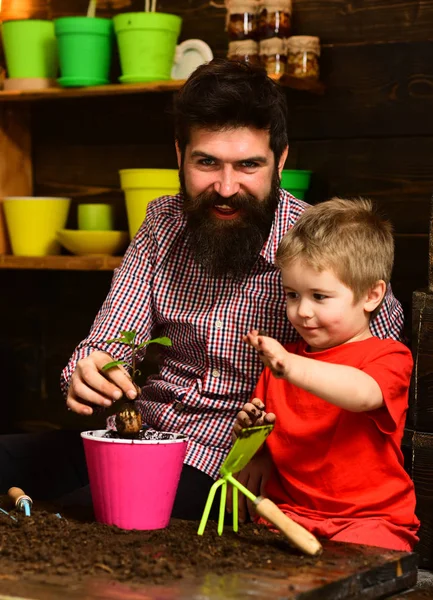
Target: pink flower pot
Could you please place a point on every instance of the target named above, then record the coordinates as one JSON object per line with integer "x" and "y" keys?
{"x": 133, "y": 482}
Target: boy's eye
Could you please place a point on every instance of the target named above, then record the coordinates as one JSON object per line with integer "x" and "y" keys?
{"x": 319, "y": 296}
{"x": 291, "y": 295}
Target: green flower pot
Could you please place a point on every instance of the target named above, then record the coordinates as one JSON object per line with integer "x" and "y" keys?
{"x": 296, "y": 182}
{"x": 147, "y": 44}
{"x": 30, "y": 49}
{"x": 85, "y": 48}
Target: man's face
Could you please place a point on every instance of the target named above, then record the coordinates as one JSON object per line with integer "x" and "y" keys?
{"x": 231, "y": 187}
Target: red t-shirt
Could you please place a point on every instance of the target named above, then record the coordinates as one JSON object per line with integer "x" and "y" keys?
{"x": 331, "y": 462}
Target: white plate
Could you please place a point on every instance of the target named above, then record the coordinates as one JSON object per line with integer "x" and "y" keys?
{"x": 189, "y": 55}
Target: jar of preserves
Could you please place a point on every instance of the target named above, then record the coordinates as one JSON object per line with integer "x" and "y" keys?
{"x": 244, "y": 51}
{"x": 242, "y": 19}
{"x": 275, "y": 19}
{"x": 303, "y": 53}
{"x": 273, "y": 55}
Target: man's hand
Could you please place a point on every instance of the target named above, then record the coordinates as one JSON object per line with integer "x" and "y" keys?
{"x": 252, "y": 413}
{"x": 254, "y": 477}
{"x": 94, "y": 386}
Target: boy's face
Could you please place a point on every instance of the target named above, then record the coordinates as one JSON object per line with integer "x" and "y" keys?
{"x": 321, "y": 308}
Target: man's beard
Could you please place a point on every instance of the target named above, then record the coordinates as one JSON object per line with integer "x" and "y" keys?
{"x": 229, "y": 247}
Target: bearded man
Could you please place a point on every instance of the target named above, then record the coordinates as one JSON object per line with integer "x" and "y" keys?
{"x": 201, "y": 270}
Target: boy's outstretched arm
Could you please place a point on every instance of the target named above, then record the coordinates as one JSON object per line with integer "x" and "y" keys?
{"x": 343, "y": 386}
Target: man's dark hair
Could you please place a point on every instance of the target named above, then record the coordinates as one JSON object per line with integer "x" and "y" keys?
{"x": 230, "y": 94}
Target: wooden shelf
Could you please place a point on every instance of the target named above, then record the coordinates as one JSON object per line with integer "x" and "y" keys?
{"x": 117, "y": 89}
{"x": 60, "y": 263}
{"x": 114, "y": 89}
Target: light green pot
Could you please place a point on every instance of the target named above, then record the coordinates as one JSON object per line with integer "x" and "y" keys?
{"x": 147, "y": 44}
{"x": 30, "y": 49}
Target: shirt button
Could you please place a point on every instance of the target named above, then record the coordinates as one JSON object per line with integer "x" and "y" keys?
{"x": 219, "y": 324}
{"x": 178, "y": 407}
{"x": 215, "y": 373}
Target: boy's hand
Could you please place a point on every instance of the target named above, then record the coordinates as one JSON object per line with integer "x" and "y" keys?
{"x": 252, "y": 413}
{"x": 271, "y": 353}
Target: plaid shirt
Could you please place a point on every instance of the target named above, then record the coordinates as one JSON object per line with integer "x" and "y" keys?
{"x": 208, "y": 373}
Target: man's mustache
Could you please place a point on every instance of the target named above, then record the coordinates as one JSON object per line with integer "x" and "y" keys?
{"x": 211, "y": 199}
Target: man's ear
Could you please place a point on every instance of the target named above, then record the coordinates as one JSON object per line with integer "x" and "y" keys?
{"x": 178, "y": 154}
{"x": 375, "y": 296}
{"x": 283, "y": 159}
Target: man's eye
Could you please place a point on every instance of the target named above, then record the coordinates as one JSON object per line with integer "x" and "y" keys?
{"x": 207, "y": 162}
{"x": 249, "y": 164}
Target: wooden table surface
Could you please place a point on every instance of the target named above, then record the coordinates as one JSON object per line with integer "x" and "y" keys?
{"x": 336, "y": 575}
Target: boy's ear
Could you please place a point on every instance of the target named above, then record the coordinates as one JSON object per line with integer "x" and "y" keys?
{"x": 375, "y": 296}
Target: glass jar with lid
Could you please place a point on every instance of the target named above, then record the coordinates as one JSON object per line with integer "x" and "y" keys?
{"x": 245, "y": 51}
{"x": 273, "y": 55}
{"x": 242, "y": 19}
{"x": 275, "y": 19}
{"x": 303, "y": 53}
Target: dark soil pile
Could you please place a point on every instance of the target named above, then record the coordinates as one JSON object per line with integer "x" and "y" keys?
{"x": 44, "y": 547}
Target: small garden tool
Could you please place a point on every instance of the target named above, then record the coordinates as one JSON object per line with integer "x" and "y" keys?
{"x": 21, "y": 500}
{"x": 246, "y": 445}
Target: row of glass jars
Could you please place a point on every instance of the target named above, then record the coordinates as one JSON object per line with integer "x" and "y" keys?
{"x": 297, "y": 56}
{"x": 258, "y": 19}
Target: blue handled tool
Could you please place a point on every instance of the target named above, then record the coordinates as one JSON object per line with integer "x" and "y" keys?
{"x": 21, "y": 500}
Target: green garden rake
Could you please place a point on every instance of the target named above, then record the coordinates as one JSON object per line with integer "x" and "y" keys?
{"x": 250, "y": 439}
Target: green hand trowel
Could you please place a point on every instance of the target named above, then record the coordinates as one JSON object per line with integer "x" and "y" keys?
{"x": 250, "y": 439}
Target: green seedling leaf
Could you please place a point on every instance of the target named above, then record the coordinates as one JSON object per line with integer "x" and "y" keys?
{"x": 129, "y": 336}
{"x": 164, "y": 341}
{"x": 114, "y": 363}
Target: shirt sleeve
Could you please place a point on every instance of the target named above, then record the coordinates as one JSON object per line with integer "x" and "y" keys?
{"x": 391, "y": 368}
{"x": 390, "y": 319}
{"x": 128, "y": 305}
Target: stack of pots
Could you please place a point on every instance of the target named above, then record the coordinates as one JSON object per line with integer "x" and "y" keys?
{"x": 31, "y": 53}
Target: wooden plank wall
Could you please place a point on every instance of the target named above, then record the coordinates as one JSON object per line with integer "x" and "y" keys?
{"x": 370, "y": 134}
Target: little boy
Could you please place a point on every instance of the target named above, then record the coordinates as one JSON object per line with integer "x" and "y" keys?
{"x": 338, "y": 396}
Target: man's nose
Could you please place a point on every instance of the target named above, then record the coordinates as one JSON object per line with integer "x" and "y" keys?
{"x": 226, "y": 184}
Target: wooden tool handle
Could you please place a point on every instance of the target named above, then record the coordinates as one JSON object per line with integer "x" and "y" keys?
{"x": 18, "y": 494}
{"x": 295, "y": 533}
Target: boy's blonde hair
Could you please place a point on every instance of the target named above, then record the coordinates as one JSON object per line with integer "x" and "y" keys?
{"x": 345, "y": 236}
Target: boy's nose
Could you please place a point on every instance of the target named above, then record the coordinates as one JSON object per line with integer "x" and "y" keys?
{"x": 305, "y": 309}
{"x": 226, "y": 184}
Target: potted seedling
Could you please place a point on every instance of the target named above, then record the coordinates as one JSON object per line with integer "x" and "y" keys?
{"x": 133, "y": 472}
{"x": 128, "y": 418}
